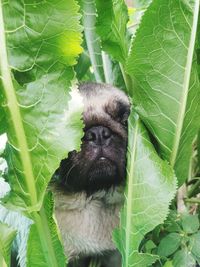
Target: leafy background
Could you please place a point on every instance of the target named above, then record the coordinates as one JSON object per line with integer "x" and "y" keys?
{"x": 150, "y": 51}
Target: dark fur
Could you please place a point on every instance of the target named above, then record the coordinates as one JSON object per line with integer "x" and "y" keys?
{"x": 86, "y": 170}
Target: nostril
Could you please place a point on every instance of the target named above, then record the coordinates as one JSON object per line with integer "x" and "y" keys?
{"x": 106, "y": 133}
{"x": 90, "y": 136}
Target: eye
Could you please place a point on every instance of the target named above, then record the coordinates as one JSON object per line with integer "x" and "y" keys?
{"x": 123, "y": 113}
{"x": 119, "y": 111}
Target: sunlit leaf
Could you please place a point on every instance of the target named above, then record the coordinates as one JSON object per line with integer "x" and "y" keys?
{"x": 38, "y": 50}
{"x": 40, "y": 41}
{"x": 166, "y": 90}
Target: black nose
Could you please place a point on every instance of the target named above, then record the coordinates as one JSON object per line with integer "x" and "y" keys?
{"x": 99, "y": 135}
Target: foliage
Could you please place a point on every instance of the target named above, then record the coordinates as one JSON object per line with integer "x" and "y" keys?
{"x": 7, "y": 235}
{"x": 156, "y": 61}
{"x": 160, "y": 65}
{"x": 38, "y": 49}
{"x": 149, "y": 191}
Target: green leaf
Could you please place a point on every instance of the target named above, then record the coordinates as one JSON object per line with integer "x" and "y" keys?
{"x": 166, "y": 91}
{"x": 169, "y": 244}
{"x": 151, "y": 185}
{"x": 168, "y": 264}
{"x": 7, "y": 235}
{"x": 48, "y": 228}
{"x": 195, "y": 244}
{"x": 92, "y": 39}
{"x": 172, "y": 223}
{"x": 40, "y": 41}
{"x": 45, "y": 126}
{"x": 183, "y": 258}
{"x": 111, "y": 27}
{"x": 190, "y": 223}
{"x": 149, "y": 245}
{"x": 82, "y": 66}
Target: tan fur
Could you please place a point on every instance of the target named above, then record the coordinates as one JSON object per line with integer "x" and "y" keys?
{"x": 86, "y": 223}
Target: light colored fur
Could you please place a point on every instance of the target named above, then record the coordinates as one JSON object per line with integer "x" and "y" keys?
{"x": 87, "y": 223}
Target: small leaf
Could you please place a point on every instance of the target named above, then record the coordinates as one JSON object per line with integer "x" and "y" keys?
{"x": 190, "y": 223}
{"x": 7, "y": 235}
{"x": 169, "y": 244}
{"x": 149, "y": 245}
{"x": 195, "y": 244}
{"x": 141, "y": 259}
{"x": 183, "y": 258}
{"x": 172, "y": 223}
{"x": 168, "y": 264}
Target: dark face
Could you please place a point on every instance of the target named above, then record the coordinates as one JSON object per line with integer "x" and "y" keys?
{"x": 101, "y": 163}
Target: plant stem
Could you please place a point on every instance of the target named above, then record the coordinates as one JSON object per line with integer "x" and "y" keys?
{"x": 107, "y": 67}
{"x": 193, "y": 200}
{"x": 131, "y": 164}
{"x": 92, "y": 39}
{"x": 193, "y": 188}
{"x": 181, "y": 208}
{"x": 44, "y": 235}
{"x": 127, "y": 80}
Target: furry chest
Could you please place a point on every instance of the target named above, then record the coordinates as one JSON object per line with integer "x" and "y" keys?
{"x": 86, "y": 225}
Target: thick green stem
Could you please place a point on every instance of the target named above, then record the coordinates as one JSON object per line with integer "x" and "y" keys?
{"x": 44, "y": 235}
{"x": 127, "y": 80}
{"x": 92, "y": 39}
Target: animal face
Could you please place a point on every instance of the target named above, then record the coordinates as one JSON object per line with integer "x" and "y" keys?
{"x": 101, "y": 162}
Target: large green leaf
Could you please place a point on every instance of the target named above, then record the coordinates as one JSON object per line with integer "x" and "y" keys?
{"x": 166, "y": 90}
{"x": 7, "y": 235}
{"x": 151, "y": 185}
{"x": 35, "y": 245}
{"x": 111, "y": 27}
{"x": 39, "y": 43}
{"x": 92, "y": 39}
